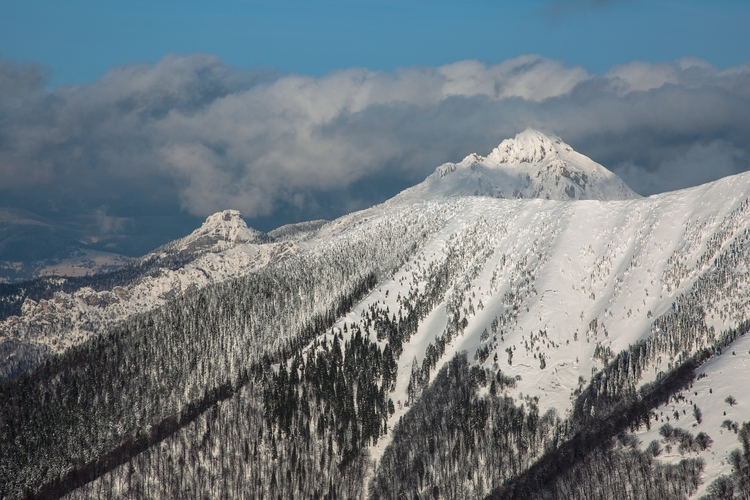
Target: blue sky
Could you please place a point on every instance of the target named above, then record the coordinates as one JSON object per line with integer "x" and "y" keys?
{"x": 117, "y": 115}
{"x": 79, "y": 40}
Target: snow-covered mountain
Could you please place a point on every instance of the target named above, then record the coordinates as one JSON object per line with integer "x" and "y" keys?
{"x": 220, "y": 231}
{"x": 570, "y": 314}
{"x": 531, "y": 165}
{"x": 224, "y": 247}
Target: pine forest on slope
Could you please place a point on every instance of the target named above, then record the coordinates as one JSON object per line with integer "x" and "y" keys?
{"x": 546, "y": 337}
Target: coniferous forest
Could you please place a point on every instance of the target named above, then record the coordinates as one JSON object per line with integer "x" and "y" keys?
{"x": 347, "y": 372}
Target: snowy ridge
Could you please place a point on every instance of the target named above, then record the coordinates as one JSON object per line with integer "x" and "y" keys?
{"x": 224, "y": 247}
{"x": 531, "y": 165}
{"x": 543, "y": 292}
{"x": 220, "y": 231}
{"x": 70, "y": 318}
{"x": 299, "y": 230}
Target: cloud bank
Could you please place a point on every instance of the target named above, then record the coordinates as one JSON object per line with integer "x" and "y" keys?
{"x": 190, "y": 133}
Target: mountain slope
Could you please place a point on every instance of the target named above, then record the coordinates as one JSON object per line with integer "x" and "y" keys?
{"x": 531, "y": 165}
{"x": 438, "y": 348}
{"x": 67, "y": 311}
{"x": 191, "y": 344}
{"x": 220, "y": 231}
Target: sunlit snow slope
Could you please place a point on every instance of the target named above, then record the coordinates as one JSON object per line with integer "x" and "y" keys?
{"x": 566, "y": 286}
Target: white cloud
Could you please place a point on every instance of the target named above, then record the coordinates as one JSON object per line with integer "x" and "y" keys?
{"x": 194, "y": 132}
{"x": 529, "y": 77}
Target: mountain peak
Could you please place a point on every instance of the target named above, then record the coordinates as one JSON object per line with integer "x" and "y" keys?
{"x": 530, "y": 146}
{"x": 220, "y": 231}
{"x": 225, "y": 224}
{"x": 530, "y": 165}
